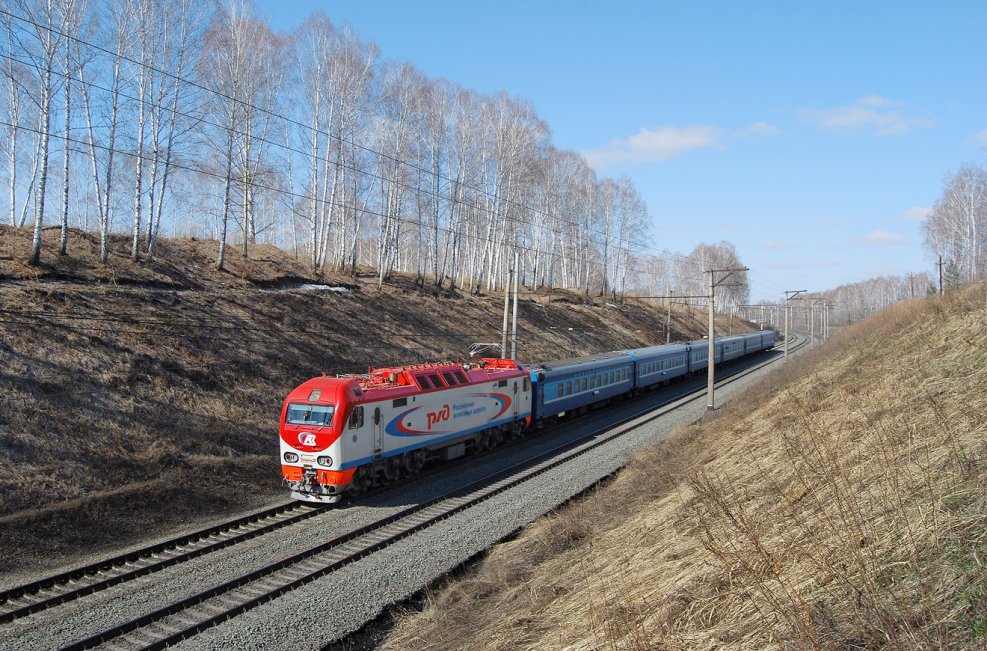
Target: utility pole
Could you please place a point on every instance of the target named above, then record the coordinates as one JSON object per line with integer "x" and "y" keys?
{"x": 939, "y": 264}
{"x": 812, "y": 321}
{"x": 789, "y": 295}
{"x": 668, "y": 319}
{"x": 507, "y": 308}
{"x": 517, "y": 274}
{"x": 821, "y": 302}
{"x": 713, "y": 284}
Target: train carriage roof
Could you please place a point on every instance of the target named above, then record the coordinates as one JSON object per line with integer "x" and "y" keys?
{"x": 653, "y": 351}
{"x": 589, "y": 362}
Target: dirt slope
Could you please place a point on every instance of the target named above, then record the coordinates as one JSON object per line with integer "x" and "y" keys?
{"x": 128, "y": 386}
{"x": 843, "y": 505}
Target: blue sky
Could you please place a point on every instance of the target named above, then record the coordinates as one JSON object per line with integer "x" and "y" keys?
{"x": 813, "y": 136}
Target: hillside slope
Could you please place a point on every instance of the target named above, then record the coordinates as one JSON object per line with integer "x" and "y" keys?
{"x": 842, "y": 504}
{"x": 134, "y": 396}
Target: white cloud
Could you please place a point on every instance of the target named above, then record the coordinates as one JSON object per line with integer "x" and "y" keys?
{"x": 981, "y": 138}
{"x": 755, "y": 131}
{"x": 762, "y": 128}
{"x": 778, "y": 246}
{"x": 880, "y": 238}
{"x": 652, "y": 146}
{"x": 916, "y": 214}
{"x": 829, "y": 262}
{"x": 872, "y": 113}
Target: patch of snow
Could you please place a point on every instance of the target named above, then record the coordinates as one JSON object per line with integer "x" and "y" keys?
{"x": 308, "y": 287}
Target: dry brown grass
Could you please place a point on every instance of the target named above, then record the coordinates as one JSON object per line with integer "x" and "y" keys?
{"x": 122, "y": 384}
{"x": 842, "y": 505}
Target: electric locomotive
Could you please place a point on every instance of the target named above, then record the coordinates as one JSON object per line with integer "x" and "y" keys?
{"x": 348, "y": 433}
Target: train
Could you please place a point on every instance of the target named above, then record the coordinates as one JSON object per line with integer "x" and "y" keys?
{"x": 345, "y": 434}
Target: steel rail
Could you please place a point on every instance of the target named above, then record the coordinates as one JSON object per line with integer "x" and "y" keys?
{"x": 65, "y": 586}
{"x": 192, "y": 615}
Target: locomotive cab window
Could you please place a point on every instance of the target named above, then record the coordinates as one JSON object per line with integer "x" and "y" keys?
{"x": 315, "y": 415}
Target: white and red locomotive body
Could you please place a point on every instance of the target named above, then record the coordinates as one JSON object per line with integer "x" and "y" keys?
{"x": 341, "y": 433}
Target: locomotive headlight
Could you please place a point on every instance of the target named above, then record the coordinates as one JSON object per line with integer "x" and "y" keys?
{"x": 325, "y": 461}
{"x": 290, "y": 457}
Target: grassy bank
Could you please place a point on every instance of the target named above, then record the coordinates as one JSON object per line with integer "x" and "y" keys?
{"x": 840, "y": 504}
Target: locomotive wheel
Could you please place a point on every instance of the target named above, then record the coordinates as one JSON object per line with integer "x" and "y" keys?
{"x": 414, "y": 460}
{"x": 362, "y": 480}
{"x": 392, "y": 469}
{"x": 484, "y": 441}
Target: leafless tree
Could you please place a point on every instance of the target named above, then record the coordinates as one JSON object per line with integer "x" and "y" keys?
{"x": 40, "y": 41}
{"x": 957, "y": 227}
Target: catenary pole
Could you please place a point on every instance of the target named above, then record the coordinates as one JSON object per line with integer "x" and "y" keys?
{"x": 517, "y": 274}
{"x": 668, "y": 319}
{"x": 507, "y": 307}
{"x": 789, "y": 295}
{"x": 710, "y": 371}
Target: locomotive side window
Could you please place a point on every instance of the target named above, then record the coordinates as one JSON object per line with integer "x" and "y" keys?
{"x": 356, "y": 418}
{"x": 502, "y": 383}
{"x": 399, "y": 402}
{"x": 317, "y": 415}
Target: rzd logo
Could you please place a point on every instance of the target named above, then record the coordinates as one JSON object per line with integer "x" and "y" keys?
{"x": 435, "y": 417}
{"x": 307, "y": 438}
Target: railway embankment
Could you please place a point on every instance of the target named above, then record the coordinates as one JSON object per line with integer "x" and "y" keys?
{"x": 141, "y": 398}
{"x": 841, "y": 503}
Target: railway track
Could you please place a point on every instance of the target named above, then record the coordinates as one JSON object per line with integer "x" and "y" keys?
{"x": 45, "y": 593}
{"x": 190, "y": 616}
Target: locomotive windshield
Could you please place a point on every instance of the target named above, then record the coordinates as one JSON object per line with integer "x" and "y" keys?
{"x": 314, "y": 415}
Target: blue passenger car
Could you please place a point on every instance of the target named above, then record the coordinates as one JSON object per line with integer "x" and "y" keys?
{"x": 728, "y": 348}
{"x": 752, "y": 342}
{"x": 658, "y": 364}
{"x": 568, "y": 384}
{"x": 698, "y": 355}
